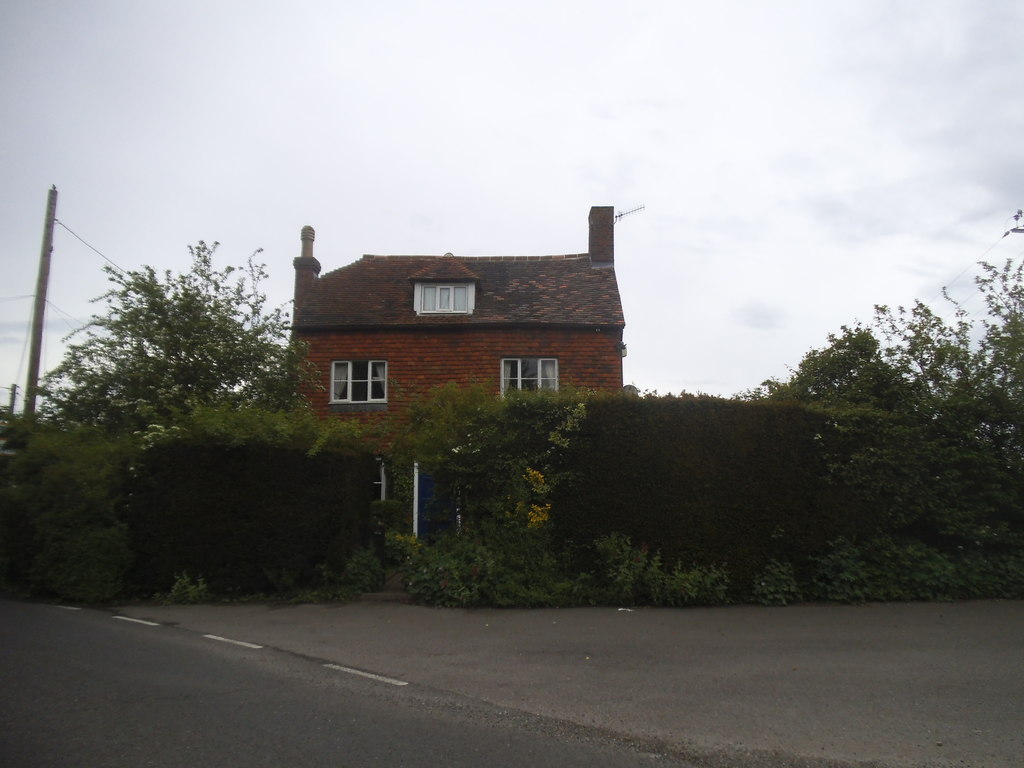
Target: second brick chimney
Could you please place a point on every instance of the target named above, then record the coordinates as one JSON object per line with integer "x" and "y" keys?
{"x": 307, "y": 270}
{"x": 602, "y": 234}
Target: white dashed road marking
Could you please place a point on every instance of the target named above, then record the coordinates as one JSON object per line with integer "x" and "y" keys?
{"x": 335, "y": 667}
{"x": 378, "y": 678}
{"x": 233, "y": 642}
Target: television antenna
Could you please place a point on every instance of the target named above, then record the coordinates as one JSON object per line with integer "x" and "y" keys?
{"x": 623, "y": 214}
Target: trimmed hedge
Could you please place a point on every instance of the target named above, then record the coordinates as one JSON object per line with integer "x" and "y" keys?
{"x": 245, "y": 502}
{"x": 248, "y": 518}
{"x": 581, "y": 498}
{"x": 704, "y": 481}
{"x": 60, "y": 526}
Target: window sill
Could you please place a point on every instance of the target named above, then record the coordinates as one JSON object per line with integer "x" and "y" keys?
{"x": 356, "y": 407}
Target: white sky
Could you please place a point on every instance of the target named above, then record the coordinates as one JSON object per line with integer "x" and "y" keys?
{"x": 799, "y": 161}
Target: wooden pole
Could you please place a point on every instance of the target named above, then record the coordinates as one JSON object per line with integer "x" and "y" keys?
{"x": 32, "y": 384}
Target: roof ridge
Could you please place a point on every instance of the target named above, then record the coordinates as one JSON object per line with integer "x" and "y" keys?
{"x": 550, "y": 257}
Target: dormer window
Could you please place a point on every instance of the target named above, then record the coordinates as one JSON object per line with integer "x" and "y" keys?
{"x": 444, "y": 298}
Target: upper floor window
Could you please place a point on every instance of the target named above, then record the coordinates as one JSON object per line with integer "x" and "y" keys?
{"x": 444, "y": 298}
{"x": 529, "y": 373}
{"x": 359, "y": 381}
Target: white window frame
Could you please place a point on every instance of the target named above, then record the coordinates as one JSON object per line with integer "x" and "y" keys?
{"x": 376, "y": 374}
{"x": 439, "y": 298}
{"x": 508, "y": 376}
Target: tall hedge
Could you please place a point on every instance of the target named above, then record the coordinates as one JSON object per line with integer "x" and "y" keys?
{"x": 251, "y": 501}
{"x": 247, "y": 518}
{"x": 705, "y": 481}
{"x": 60, "y": 500}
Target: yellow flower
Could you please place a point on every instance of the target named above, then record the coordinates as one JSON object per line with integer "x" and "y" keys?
{"x": 536, "y": 479}
{"x": 538, "y": 515}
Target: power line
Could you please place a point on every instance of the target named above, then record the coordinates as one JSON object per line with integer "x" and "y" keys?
{"x": 24, "y": 347}
{"x": 944, "y": 292}
{"x": 116, "y": 266}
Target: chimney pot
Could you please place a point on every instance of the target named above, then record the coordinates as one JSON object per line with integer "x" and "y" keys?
{"x": 308, "y": 236}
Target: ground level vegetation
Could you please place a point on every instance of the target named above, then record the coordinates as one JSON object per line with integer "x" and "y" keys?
{"x": 888, "y": 466}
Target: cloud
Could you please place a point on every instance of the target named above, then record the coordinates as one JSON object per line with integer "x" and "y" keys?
{"x": 760, "y": 316}
{"x": 14, "y": 331}
{"x": 798, "y": 162}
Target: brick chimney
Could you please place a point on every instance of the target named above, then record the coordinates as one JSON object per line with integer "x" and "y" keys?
{"x": 307, "y": 270}
{"x": 602, "y": 234}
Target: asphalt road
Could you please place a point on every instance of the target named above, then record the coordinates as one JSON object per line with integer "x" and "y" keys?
{"x": 880, "y": 685}
{"x": 90, "y": 688}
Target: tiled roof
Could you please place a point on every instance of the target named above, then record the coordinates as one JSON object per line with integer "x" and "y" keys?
{"x": 545, "y": 290}
{"x": 445, "y": 268}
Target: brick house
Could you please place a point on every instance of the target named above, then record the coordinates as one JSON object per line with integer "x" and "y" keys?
{"x": 384, "y": 330}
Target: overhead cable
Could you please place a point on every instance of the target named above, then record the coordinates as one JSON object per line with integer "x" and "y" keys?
{"x": 109, "y": 261}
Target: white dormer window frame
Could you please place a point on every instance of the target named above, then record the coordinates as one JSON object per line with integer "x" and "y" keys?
{"x": 444, "y": 298}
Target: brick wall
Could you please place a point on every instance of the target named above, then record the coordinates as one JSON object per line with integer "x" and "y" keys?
{"x": 419, "y": 359}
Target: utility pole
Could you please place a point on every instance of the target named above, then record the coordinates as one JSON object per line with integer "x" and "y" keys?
{"x": 14, "y": 396}
{"x": 32, "y": 384}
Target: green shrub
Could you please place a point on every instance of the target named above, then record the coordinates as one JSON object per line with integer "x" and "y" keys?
{"x": 501, "y": 562}
{"x": 776, "y": 584}
{"x": 508, "y": 564}
{"x": 889, "y": 568}
{"x": 699, "y": 585}
{"x": 60, "y": 512}
{"x": 86, "y": 566}
{"x": 841, "y": 575}
{"x": 907, "y": 569}
{"x": 400, "y": 548}
{"x": 520, "y": 564}
{"x": 449, "y": 574}
{"x": 185, "y": 591}
{"x": 990, "y": 574}
{"x": 627, "y": 570}
{"x": 363, "y": 571}
{"x": 635, "y": 576}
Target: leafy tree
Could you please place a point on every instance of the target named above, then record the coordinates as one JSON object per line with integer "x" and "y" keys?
{"x": 1002, "y": 350}
{"x": 929, "y": 412}
{"x": 853, "y": 370}
{"x": 169, "y": 344}
{"x": 970, "y": 375}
